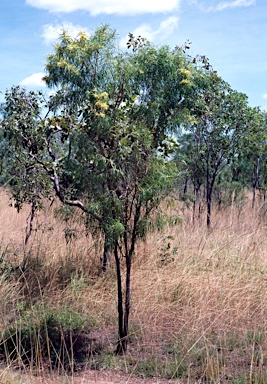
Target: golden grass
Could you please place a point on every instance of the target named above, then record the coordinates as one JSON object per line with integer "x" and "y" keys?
{"x": 198, "y": 296}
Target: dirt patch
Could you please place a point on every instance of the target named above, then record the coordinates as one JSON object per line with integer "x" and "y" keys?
{"x": 86, "y": 377}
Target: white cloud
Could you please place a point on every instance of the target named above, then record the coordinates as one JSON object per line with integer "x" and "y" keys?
{"x": 165, "y": 29}
{"x": 52, "y": 32}
{"x": 120, "y": 7}
{"x": 264, "y": 96}
{"x": 35, "y": 80}
{"x": 234, "y": 4}
{"x": 215, "y": 5}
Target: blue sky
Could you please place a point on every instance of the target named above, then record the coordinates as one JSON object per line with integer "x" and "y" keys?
{"x": 231, "y": 33}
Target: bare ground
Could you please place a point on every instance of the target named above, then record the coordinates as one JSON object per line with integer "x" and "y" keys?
{"x": 86, "y": 377}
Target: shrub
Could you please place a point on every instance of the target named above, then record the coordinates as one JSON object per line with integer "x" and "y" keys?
{"x": 59, "y": 337}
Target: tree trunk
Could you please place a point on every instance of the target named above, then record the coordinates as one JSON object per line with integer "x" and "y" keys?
{"x": 31, "y": 217}
{"x": 121, "y": 343}
{"x": 209, "y": 192}
{"x": 196, "y": 202}
{"x": 210, "y": 181}
{"x": 208, "y": 197}
{"x": 127, "y": 300}
{"x": 208, "y": 208}
{"x": 105, "y": 260}
{"x": 123, "y": 313}
{"x": 255, "y": 182}
{"x": 185, "y": 185}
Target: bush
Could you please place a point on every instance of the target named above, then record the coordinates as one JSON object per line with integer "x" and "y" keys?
{"x": 55, "y": 336}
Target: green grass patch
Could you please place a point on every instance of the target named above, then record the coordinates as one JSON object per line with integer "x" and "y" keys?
{"x": 56, "y": 335}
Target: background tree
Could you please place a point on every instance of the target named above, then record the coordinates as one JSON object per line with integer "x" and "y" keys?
{"x": 223, "y": 124}
{"x": 27, "y": 180}
{"x": 250, "y": 164}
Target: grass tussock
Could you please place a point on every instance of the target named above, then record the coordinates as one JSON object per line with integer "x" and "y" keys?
{"x": 199, "y": 298}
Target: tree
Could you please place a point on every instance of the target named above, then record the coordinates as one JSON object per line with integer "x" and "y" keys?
{"x": 27, "y": 180}
{"x": 102, "y": 143}
{"x": 191, "y": 168}
{"x": 222, "y": 124}
{"x": 156, "y": 83}
{"x": 251, "y": 159}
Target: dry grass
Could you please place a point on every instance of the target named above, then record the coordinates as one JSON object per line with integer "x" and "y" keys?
{"x": 199, "y": 298}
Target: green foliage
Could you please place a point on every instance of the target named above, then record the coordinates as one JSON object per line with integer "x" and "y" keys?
{"x": 46, "y": 333}
{"x": 102, "y": 144}
{"x": 19, "y": 138}
{"x": 105, "y": 141}
{"x": 168, "y": 368}
{"x": 7, "y": 268}
{"x": 167, "y": 250}
{"x": 220, "y": 131}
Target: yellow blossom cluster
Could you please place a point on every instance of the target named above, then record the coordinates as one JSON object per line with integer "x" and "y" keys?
{"x": 101, "y": 105}
{"x": 185, "y": 72}
{"x": 186, "y": 82}
{"x": 83, "y": 36}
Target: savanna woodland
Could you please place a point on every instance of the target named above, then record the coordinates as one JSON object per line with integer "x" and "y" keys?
{"x": 138, "y": 239}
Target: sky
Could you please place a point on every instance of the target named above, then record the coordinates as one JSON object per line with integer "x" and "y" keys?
{"x": 231, "y": 33}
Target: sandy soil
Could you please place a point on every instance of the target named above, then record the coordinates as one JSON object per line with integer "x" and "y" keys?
{"x": 86, "y": 377}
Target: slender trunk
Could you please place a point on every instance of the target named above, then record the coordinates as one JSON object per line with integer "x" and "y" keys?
{"x": 185, "y": 186}
{"x": 208, "y": 207}
{"x": 129, "y": 252}
{"x": 255, "y": 182}
{"x": 196, "y": 202}
{"x": 120, "y": 345}
{"x": 127, "y": 300}
{"x": 123, "y": 313}
{"x": 105, "y": 260}
{"x": 209, "y": 192}
{"x": 208, "y": 196}
{"x": 31, "y": 217}
{"x": 210, "y": 181}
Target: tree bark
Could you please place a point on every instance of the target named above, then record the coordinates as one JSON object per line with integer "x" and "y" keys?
{"x": 120, "y": 345}
{"x": 255, "y": 181}
{"x": 208, "y": 207}
{"x": 127, "y": 300}
{"x": 105, "y": 261}
{"x": 31, "y": 217}
{"x": 208, "y": 196}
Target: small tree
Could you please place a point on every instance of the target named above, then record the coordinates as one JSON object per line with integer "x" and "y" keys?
{"x": 127, "y": 178}
{"x": 222, "y": 125}
{"x": 102, "y": 142}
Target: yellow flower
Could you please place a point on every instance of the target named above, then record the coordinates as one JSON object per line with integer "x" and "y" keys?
{"x": 101, "y": 105}
{"x": 104, "y": 95}
{"x": 100, "y": 96}
{"x": 83, "y": 36}
{"x": 100, "y": 114}
{"x": 186, "y": 82}
{"x": 61, "y": 64}
{"x": 185, "y": 72}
